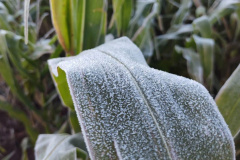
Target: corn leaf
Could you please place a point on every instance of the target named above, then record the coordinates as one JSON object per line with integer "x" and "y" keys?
{"x": 194, "y": 64}
{"x": 128, "y": 110}
{"x": 177, "y": 32}
{"x": 203, "y": 26}
{"x": 5, "y": 17}
{"x": 205, "y": 48}
{"x": 61, "y": 147}
{"x": 143, "y": 36}
{"x": 78, "y": 13}
{"x": 12, "y": 45}
{"x": 224, "y": 8}
{"x": 62, "y": 88}
{"x": 61, "y": 20}
{"x": 80, "y": 24}
{"x": 228, "y": 101}
{"x": 5, "y": 68}
{"x": 7, "y": 73}
{"x": 141, "y": 11}
{"x": 122, "y": 14}
{"x": 145, "y": 43}
{"x": 10, "y": 54}
{"x": 182, "y": 12}
{"x": 74, "y": 121}
{"x": 95, "y": 23}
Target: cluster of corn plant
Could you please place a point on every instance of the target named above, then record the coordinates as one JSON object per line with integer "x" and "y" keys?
{"x": 127, "y": 110}
{"x": 29, "y": 95}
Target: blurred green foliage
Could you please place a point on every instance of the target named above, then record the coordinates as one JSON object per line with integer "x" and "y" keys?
{"x": 33, "y": 99}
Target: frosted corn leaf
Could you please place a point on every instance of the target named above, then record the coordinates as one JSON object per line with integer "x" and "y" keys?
{"x": 128, "y": 110}
{"x": 60, "y": 147}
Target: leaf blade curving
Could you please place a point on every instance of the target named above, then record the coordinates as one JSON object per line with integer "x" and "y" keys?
{"x": 128, "y": 110}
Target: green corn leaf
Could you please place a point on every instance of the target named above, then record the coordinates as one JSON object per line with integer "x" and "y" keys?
{"x": 228, "y": 101}
{"x": 41, "y": 47}
{"x": 147, "y": 20}
{"x": 128, "y": 110}
{"x": 80, "y": 24}
{"x": 60, "y": 11}
{"x": 74, "y": 121}
{"x": 194, "y": 64}
{"x": 141, "y": 11}
{"x": 13, "y": 43}
{"x": 95, "y": 23}
{"x": 78, "y": 13}
{"x": 205, "y": 47}
{"x": 145, "y": 43}
{"x": 7, "y": 73}
{"x": 60, "y": 147}
{"x": 224, "y": 8}
{"x": 62, "y": 88}
{"x": 5, "y": 68}
{"x": 8, "y": 51}
{"x": 182, "y": 12}
{"x": 143, "y": 35}
{"x": 122, "y": 14}
{"x": 177, "y": 32}
{"x": 203, "y": 26}
{"x": 5, "y": 17}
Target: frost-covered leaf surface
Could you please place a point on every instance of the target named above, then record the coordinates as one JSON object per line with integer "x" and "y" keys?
{"x": 60, "y": 147}
{"x": 128, "y": 110}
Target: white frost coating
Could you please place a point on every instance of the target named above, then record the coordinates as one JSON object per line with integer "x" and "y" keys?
{"x": 128, "y": 110}
{"x": 54, "y": 63}
{"x": 123, "y": 49}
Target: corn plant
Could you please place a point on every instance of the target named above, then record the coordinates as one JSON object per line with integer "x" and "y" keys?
{"x": 128, "y": 110}
{"x": 24, "y": 70}
{"x": 123, "y": 108}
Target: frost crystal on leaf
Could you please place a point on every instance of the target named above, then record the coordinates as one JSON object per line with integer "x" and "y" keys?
{"x": 128, "y": 110}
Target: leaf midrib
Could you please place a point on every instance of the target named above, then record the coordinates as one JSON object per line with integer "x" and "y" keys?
{"x": 145, "y": 101}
